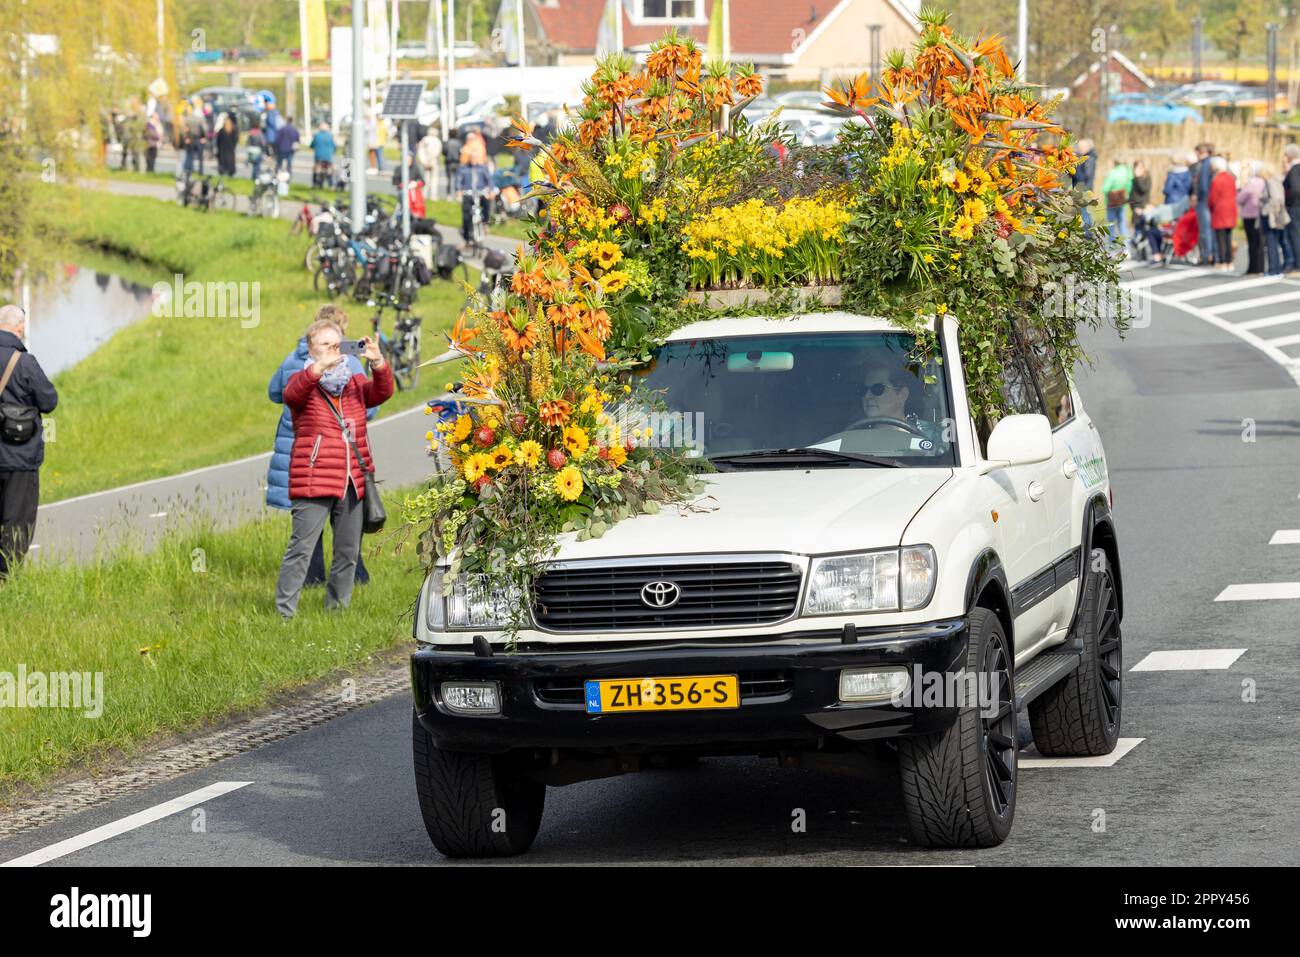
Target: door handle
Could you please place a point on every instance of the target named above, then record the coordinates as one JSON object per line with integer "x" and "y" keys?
{"x": 1069, "y": 468}
{"x": 1035, "y": 490}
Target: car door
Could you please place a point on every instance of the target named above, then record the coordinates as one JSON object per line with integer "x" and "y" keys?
{"x": 1072, "y": 436}
{"x": 1023, "y": 524}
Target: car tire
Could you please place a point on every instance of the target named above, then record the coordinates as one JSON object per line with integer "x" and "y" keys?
{"x": 948, "y": 777}
{"x": 1080, "y": 716}
{"x": 474, "y": 805}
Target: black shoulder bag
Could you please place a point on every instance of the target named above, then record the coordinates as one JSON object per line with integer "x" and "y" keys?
{"x": 373, "y": 515}
{"x": 18, "y": 423}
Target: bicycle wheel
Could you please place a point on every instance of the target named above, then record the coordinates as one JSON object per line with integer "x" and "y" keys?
{"x": 312, "y": 259}
{"x": 410, "y": 358}
{"x": 225, "y": 200}
{"x": 269, "y": 205}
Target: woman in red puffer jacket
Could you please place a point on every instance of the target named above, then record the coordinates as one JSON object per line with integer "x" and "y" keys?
{"x": 1223, "y": 212}
{"x": 326, "y": 482}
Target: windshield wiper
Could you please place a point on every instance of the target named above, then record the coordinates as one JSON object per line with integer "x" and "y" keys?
{"x": 802, "y": 457}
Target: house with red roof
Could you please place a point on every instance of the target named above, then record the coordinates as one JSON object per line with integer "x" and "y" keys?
{"x": 792, "y": 39}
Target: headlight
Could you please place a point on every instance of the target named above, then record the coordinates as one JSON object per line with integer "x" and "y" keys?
{"x": 893, "y": 580}
{"x": 472, "y": 603}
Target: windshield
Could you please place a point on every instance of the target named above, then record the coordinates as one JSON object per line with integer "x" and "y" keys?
{"x": 858, "y": 393}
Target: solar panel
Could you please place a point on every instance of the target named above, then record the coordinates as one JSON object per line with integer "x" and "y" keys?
{"x": 402, "y": 100}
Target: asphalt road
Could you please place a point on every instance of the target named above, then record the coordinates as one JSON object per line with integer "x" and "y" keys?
{"x": 1213, "y": 779}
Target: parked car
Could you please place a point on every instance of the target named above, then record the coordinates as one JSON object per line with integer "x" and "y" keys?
{"x": 1139, "y": 108}
{"x": 864, "y": 544}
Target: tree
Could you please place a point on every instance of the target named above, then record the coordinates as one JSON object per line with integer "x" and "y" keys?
{"x": 63, "y": 65}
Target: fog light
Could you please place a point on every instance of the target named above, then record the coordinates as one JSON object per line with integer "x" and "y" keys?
{"x": 873, "y": 684}
{"x": 472, "y": 697}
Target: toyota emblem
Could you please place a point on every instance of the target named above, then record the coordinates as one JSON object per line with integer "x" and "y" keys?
{"x": 660, "y": 594}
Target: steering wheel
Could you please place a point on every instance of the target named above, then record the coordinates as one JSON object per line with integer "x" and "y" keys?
{"x": 873, "y": 420}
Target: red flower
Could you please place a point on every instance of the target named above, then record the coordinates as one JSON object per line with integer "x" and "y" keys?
{"x": 484, "y": 437}
{"x": 602, "y": 451}
{"x": 518, "y": 422}
{"x": 555, "y": 459}
{"x": 481, "y": 483}
{"x": 620, "y": 212}
{"x": 1004, "y": 225}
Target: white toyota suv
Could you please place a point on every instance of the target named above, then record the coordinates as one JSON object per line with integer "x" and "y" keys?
{"x": 869, "y": 570}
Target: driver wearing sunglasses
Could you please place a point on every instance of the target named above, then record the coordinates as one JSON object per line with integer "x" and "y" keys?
{"x": 885, "y": 391}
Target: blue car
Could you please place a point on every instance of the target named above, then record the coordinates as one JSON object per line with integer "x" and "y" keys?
{"x": 1140, "y": 108}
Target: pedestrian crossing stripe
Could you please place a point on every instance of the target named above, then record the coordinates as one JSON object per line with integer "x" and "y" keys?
{"x": 1123, "y": 747}
{"x": 1207, "y": 659}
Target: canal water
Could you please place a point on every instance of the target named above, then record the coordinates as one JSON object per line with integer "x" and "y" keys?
{"x": 79, "y": 309}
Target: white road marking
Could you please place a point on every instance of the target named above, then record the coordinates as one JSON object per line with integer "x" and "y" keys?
{"x": 1258, "y": 301}
{"x": 1290, "y": 363}
{"x": 158, "y": 515}
{"x": 1219, "y": 288}
{"x": 1213, "y": 659}
{"x": 1146, "y": 282}
{"x": 113, "y": 829}
{"x": 1285, "y": 536}
{"x": 1281, "y": 320}
{"x": 1123, "y": 747}
{"x": 1263, "y": 591}
{"x": 1283, "y": 341}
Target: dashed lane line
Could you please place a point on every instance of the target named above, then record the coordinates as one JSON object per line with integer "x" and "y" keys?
{"x": 1208, "y": 659}
{"x": 123, "y": 825}
{"x": 1261, "y": 591}
{"x": 1123, "y": 747}
{"x": 1285, "y": 536}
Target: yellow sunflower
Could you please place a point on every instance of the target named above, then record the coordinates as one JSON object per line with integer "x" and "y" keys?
{"x": 606, "y": 255}
{"x": 568, "y": 483}
{"x": 476, "y": 466}
{"x": 617, "y": 455}
{"x": 576, "y": 440}
{"x": 502, "y": 456}
{"x": 528, "y": 454}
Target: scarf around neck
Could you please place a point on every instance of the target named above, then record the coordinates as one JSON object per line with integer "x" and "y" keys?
{"x": 336, "y": 377}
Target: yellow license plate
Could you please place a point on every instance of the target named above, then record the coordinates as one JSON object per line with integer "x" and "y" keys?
{"x": 689, "y": 693}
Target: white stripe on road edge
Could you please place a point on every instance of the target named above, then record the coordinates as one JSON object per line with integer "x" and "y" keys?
{"x": 1285, "y": 536}
{"x": 1220, "y": 288}
{"x": 1123, "y": 747}
{"x": 156, "y": 813}
{"x": 1146, "y": 282}
{"x": 1289, "y": 363}
{"x": 207, "y": 468}
{"x": 1258, "y": 301}
{"x": 158, "y": 515}
{"x": 1260, "y": 592}
{"x": 1281, "y": 320}
{"x": 1215, "y": 659}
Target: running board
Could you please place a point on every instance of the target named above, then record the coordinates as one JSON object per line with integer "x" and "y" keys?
{"x": 1041, "y": 673}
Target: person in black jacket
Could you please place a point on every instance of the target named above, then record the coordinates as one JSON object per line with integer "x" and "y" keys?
{"x": 1291, "y": 190}
{"x": 20, "y": 463}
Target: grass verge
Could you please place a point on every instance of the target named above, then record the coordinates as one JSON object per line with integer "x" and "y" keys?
{"x": 444, "y": 211}
{"x": 165, "y": 395}
{"x": 179, "y": 647}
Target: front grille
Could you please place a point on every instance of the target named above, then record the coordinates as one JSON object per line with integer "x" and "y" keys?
{"x": 754, "y": 686}
{"x": 608, "y": 597}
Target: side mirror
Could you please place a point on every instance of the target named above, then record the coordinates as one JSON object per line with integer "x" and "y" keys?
{"x": 1019, "y": 440}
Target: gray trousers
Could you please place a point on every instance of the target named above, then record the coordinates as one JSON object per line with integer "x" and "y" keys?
{"x": 309, "y": 516}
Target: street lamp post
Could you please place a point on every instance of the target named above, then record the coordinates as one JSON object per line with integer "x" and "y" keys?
{"x": 1272, "y": 29}
{"x": 358, "y": 178}
{"x": 1197, "y": 41}
{"x": 1022, "y": 40}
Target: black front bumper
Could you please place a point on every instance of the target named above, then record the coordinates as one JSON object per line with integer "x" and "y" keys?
{"x": 793, "y": 700}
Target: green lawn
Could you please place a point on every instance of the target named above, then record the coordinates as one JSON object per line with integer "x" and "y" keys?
{"x": 170, "y": 394}
{"x": 178, "y": 647}
{"x": 444, "y": 211}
